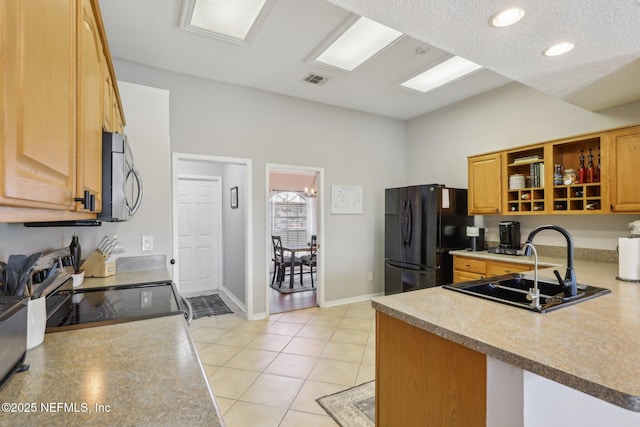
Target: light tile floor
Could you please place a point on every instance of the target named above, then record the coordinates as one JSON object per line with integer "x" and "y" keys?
{"x": 270, "y": 372}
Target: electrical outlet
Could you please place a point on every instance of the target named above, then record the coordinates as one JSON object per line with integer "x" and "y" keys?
{"x": 370, "y": 275}
{"x": 147, "y": 243}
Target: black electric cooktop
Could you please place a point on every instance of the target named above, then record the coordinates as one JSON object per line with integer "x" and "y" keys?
{"x": 82, "y": 308}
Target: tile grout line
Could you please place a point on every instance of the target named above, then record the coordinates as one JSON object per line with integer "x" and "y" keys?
{"x": 264, "y": 331}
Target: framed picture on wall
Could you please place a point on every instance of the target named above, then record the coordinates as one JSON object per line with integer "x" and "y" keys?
{"x": 234, "y": 197}
{"x": 346, "y": 199}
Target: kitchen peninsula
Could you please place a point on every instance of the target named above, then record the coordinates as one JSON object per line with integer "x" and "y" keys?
{"x": 445, "y": 358}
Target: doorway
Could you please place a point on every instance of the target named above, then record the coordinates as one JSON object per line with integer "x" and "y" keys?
{"x": 236, "y": 249}
{"x": 200, "y": 233}
{"x": 294, "y": 214}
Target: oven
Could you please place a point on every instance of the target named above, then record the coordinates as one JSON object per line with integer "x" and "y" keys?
{"x": 69, "y": 308}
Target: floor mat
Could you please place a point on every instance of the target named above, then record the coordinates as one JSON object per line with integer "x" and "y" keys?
{"x": 208, "y": 305}
{"x": 353, "y": 407}
{"x": 297, "y": 287}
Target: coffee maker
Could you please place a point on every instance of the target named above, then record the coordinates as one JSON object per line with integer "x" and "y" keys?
{"x": 509, "y": 238}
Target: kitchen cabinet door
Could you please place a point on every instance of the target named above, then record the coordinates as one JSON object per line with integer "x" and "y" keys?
{"x": 108, "y": 122}
{"x": 38, "y": 92}
{"x": 625, "y": 173}
{"x": 425, "y": 380}
{"x": 485, "y": 177}
{"x": 90, "y": 103}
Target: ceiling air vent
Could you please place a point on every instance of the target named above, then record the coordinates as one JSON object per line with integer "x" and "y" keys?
{"x": 316, "y": 79}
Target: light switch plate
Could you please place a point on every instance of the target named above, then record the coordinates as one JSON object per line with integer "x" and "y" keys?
{"x": 147, "y": 243}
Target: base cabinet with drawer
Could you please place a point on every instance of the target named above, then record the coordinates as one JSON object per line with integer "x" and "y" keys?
{"x": 466, "y": 269}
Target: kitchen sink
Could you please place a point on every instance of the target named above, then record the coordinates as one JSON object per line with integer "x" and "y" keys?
{"x": 513, "y": 289}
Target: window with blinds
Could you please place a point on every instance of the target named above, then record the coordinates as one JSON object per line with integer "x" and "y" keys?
{"x": 289, "y": 217}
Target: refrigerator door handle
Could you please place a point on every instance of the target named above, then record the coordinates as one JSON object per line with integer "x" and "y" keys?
{"x": 402, "y": 215}
{"x": 409, "y": 222}
{"x": 403, "y": 226}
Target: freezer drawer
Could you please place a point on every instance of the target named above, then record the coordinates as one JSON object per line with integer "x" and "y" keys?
{"x": 399, "y": 278}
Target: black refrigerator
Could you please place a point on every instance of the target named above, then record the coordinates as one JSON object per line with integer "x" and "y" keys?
{"x": 422, "y": 224}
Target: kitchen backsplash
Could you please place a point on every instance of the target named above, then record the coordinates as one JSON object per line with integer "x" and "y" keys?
{"x": 580, "y": 254}
{"x": 141, "y": 263}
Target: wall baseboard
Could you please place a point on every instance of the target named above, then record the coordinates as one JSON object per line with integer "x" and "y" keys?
{"x": 351, "y": 300}
{"x": 235, "y": 300}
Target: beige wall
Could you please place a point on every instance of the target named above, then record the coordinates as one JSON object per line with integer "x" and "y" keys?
{"x": 354, "y": 148}
{"x": 438, "y": 145}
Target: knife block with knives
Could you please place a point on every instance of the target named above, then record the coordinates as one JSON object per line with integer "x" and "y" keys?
{"x": 97, "y": 263}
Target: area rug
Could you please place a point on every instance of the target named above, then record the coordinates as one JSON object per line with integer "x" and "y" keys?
{"x": 306, "y": 284}
{"x": 208, "y": 305}
{"x": 353, "y": 407}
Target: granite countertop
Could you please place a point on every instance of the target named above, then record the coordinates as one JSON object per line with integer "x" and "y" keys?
{"x": 591, "y": 346}
{"x": 148, "y": 372}
{"x": 143, "y": 373}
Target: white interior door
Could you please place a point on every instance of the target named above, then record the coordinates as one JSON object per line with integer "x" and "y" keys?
{"x": 199, "y": 234}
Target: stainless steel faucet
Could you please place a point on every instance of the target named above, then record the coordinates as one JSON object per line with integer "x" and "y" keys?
{"x": 534, "y": 293}
{"x": 568, "y": 284}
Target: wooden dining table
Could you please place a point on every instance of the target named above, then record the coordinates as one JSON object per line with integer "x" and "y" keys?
{"x": 294, "y": 249}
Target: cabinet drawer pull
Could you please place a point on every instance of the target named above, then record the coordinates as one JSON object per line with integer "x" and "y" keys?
{"x": 88, "y": 201}
{"x": 467, "y": 265}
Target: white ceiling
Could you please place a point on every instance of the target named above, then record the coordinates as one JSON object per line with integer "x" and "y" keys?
{"x": 602, "y": 71}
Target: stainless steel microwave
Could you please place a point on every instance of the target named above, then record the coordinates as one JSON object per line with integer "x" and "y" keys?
{"x": 121, "y": 181}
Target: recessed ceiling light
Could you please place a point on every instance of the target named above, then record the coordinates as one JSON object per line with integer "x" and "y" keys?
{"x": 558, "y": 49}
{"x": 230, "y": 18}
{"x": 443, "y": 73}
{"x": 359, "y": 43}
{"x": 506, "y": 17}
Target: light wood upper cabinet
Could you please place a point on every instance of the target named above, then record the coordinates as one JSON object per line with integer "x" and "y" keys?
{"x": 38, "y": 89}
{"x": 108, "y": 122}
{"x": 613, "y": 189}
{"x": 55, "y": 68}
{"x": 485, "y": 174}
{"x": 625, "y": 174}
{"x": 91, "y": 65}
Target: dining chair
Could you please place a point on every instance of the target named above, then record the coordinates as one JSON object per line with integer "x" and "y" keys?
{"x": 311, "y": 259}
{"x": 280, "y": 262}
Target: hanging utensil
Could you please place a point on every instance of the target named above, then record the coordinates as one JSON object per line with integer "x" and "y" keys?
{"x": 25, "y": 272}
{"x": 12, "y": 278}
{"x": 3, "y": 291}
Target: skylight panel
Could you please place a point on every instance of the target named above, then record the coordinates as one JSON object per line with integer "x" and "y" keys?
{"x": 230, "y": 18}
{"x": 359, "y": 43}
{"x": 443, "y": 73}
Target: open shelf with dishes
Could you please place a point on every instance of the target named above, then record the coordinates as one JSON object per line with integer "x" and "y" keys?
{"x": 575, "y": 190}
{"x": 526, "y": 180}
{"x": 525, "y": 177}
